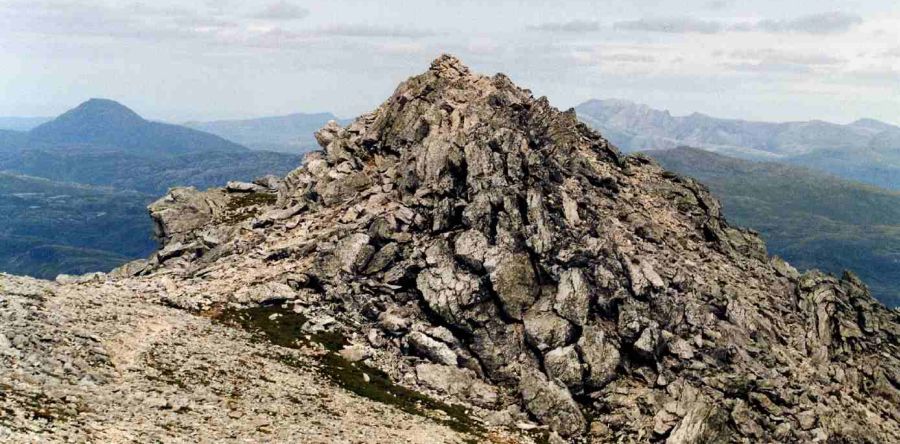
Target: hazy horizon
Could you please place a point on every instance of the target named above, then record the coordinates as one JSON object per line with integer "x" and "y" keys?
{"x": 313, "y": 112}
{"x": 830, "y": 60}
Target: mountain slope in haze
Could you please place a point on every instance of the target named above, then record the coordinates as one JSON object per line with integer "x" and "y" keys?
{"x": 155, "y": 176}
{"x": 48, "y": 228}
{"x": 292, "y": 133}
{"x": 102, "y": 142}
{"x": 59, "y": 221}
{"x": 11, "y": 140}
{"x": 106, "y": 123}
{"x": 811, "y": 219}
{"x": 22, "y": 123}
{"x": 867, "y": 150}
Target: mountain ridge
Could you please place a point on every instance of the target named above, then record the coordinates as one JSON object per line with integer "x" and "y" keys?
{"x": 102, "y": 142}
{"x": 865, "y": 151}
{"x": 108, "y": 123}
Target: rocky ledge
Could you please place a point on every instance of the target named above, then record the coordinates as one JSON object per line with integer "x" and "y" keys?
{"x": 476, "y": 263}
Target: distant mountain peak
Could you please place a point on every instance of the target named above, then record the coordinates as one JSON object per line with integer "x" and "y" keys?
{"x": 111, "y": 125}
{"x": 101, "y": 104}
{"x": 89, "y": 118}
{"x": 872, "y": 124}
{"x": 102, "y": 108}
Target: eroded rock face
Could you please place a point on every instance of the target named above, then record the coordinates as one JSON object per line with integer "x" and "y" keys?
{"x": 569, "y": 271}
{"x": 184, "y": 210}
{"x": 465, "y": 229}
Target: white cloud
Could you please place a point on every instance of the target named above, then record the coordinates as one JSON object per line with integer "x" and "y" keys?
{"x": 282, "y": 11}
{"x": 570, "y": 26}
{"x": 371, "y": 30}
{"x": 787, "y": 57}
{"x": 250, "y": 56}
{"x": 672, "y": 25}
{"x": 824, "y": 23}
{"x": 407, "y": 48}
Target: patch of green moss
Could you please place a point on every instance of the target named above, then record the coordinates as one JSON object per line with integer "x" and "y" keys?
{"x": 718, "y": 428}
{"x": 245, "y": 206}
{"x": 539, "y": 436}
{"x": 282, "y": 327}
{"x": 271, "y": 323}
{"x": 40, "y": 406}
{"x": 352, "y": 377}
{"x": 738, "y": 386}
{"x": 249, "y": 199}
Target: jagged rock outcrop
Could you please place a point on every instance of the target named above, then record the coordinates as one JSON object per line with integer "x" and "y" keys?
{"x": 465, "y": 229}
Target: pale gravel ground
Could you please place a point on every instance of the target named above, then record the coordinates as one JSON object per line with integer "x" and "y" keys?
{"x": 116, "y": 368}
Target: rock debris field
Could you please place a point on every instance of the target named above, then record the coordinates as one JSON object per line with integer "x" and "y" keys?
{"x": 464, "y": 264}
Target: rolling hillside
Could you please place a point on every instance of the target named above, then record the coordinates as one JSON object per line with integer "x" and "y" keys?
{"x": 48, "y": 227}
{"x": 810, "y": 219}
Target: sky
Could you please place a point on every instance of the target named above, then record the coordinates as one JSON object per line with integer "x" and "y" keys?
{"x": 201, "y": 60}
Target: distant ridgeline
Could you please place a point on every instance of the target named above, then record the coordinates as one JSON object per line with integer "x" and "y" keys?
{"x": 867, "y": 150}
{"x": 74, "y": 190}
{"x": 292, "y": 133}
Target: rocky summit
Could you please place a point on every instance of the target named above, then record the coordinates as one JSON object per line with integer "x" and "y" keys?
{"x": 466, "y": 263}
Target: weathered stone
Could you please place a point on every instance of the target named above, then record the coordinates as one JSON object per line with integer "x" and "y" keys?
{"x": 462, "y": 383}
{"x": 266, "y": 292}
{"x": 570, "y": 210}
{"x": 448, "y": 291}
{"x": 183, "y": 210}
{"x": 763, "y": 401}
{"x": 130, "y": 269}
{"x": 601, "y": 356}
{"x": 648, "y": 343}
{"x": 573, "y": 298}
{"x": 431, "y": 348}
{"x": 80, "y": 279}
{"x": 681, "y": 348}
{"x": 564, "y": 365}
{"x": 513, "y": 280}
{"x": 643, "y": 277}
{"x": 501, "y": 349}
{"x": 744, "y": 420}
{"x": 353, "y": 253}
{"x": 344, "y": 188}
{"x": 244, "y": 187}
{"x": 471, "y": 247}
{"x": 282, "y": 214}
{"x": 545, "y": 330}
{"x": 382, "y": 259}
{"x": 701, "y": 423}
{"x": 551, "y": 404}
{"x": 497, "y": 253}
{"x": 806, "y": 419}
